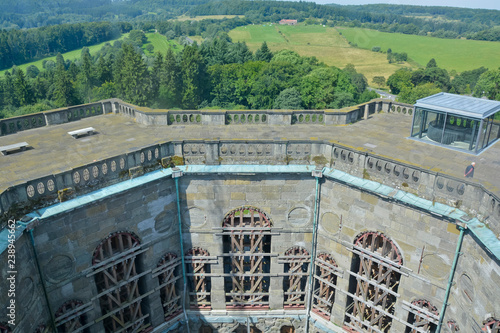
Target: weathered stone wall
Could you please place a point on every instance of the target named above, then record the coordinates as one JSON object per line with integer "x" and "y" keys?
{"x": 475, "y": 292}
{"x": 346, "y": 212}
{"x": 66, "y": 243}
{"x": 31, "y": 310}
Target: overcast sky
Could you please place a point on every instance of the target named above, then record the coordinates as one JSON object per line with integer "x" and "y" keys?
{"x": 486, "y": 4}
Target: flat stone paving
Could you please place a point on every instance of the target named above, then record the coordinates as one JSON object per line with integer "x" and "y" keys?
{"x": 54, "y": 150}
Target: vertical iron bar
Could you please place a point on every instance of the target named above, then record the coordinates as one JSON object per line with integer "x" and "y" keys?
{"x": 182, "y": 253}
{"x": 450, "y": 279}
{"x": 313, "y": 255}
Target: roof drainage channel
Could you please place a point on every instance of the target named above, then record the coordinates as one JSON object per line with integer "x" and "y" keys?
{"x": 485, "y": 235}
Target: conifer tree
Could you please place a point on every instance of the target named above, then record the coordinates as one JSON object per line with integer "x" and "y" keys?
{"x": 22, "y": 90}
{"x": 132, "y": 77}
{"x": 170, "y": 81}
{"x": 64, "y": 93}
{"x": 263, "y": 54}
{"x": 193, "y": 77}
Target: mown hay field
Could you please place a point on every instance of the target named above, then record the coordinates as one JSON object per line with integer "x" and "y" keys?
{"x": 451, "y": 54}
{"x": 325, "y": 43}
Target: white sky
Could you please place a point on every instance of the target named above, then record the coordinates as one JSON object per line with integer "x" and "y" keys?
{"x": 485, "y": 4}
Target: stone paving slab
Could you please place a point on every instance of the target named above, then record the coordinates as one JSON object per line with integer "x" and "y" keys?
{"x": 54, "y": 150}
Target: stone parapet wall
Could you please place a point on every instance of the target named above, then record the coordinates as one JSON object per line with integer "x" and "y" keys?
{"x": 149, "y": 116}
{"x": 53, "y": 117}
{"x": 343, "y": 116}
{"x": 463, "y": 194}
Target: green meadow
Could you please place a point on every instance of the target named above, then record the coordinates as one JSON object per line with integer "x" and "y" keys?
{"x": 457, "y": 54}
{"x": 71, "y": 55}
{"x": 325, "y": 43}
{"x": 160, "y": 43}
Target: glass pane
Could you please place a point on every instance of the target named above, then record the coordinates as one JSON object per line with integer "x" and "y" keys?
{"x": 417, "y": 122}
{"x": 460, "y": 132}
{"x": 433, "y": 124}
{"x": 494, "y": 128}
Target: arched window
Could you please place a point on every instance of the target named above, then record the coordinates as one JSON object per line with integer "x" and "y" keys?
{"x": 376, "y": 262}
{"x": 197, "y": 267}
{"x": 423, "y": 315}
{"x": 287, "y": 329}
{"x": 247, "y": 244}
{"x": 167, "y": 272}
{"x": 70, "y": 316}
{"x": 325, "y": 280}
{"x": 296, "y": 260}
{"x": 117, "y": 279}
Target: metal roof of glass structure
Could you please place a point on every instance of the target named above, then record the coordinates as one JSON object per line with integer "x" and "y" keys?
{"x": 460, "y": 105}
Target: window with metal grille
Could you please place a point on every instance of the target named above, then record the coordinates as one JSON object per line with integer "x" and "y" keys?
{"x": 117, "y": 278}
{"x": 197, "y": 267}
{"x": 168, "y": 274}
{"x": 287, "y": 329}
{"x": 247, "y": 244}
{"x": 423, "y": 316}
{"x": 70, "y": 316}
{"x": 296, "y": 260}
{"x": 373, "y": 288}
{"x": 325, "y": 281}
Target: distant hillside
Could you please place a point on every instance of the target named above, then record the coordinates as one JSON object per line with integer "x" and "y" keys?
{"x": 443, "y": 22}
{"x": 35, "y": 13}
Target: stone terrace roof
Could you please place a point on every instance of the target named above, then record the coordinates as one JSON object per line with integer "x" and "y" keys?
{"x": 384, "y": 134}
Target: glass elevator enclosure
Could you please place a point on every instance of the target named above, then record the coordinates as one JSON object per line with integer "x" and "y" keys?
{"x": 458, "y": 122}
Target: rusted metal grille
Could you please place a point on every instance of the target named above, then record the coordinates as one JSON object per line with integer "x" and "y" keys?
{"x": 168, "y": 276}
{"x": 296, "y": 267}
{"x": 70, "y": 316}
{"x": 247, "y": 244}
{"x": 491, "y": 325}
{"x": 198, "y": 268}
{"x": 117, "y": 280}
{"x": 287, "y": 329}
{"x": 423, "y": 315}
{"x": 376, "y": 282}
{"x": 325, "y": 281}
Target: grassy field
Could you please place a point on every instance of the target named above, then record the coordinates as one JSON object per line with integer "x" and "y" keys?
{"x": 161, "y": 44}
{"x": 72, "y": 55}
{"x": 315, "y": 40}
{"x": 457, "y": 54}
{"x": 205, "y": 17}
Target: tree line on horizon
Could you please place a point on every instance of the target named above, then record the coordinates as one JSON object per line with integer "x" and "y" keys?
{"x": 215, "y": 74}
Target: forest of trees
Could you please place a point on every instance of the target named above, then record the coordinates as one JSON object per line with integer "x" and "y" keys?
{"x": 444, "y": 22}
{"x": 453, "y": 23}
{"x": 412, "y": 85}
{"x": 217, "y": 74}
{"x": 21, "y": 14}
{"x": 21, "y": 46}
